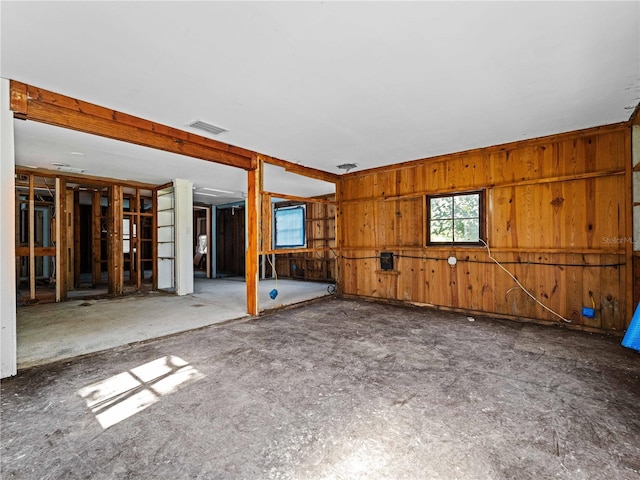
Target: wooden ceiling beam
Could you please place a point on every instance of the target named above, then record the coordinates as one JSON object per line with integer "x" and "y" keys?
{"x": 32, "y": 103}
{"x": 302, "y": 170}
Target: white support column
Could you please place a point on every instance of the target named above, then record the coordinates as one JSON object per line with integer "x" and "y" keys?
{"x": 183, "y": 191}
{"x": 8, "y": 342}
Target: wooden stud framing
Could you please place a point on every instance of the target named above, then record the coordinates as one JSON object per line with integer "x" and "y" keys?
{"x": 32, "y": 242}
{"x": 114, "y": 248}
{"x": 85, "y": 179}
{"x": 36, "y": 104}
{"x": 59, "y": 247}
{"x": 62, "y": 257}
{"x": 96, "y": 230}
{"x": 70, "y": 252}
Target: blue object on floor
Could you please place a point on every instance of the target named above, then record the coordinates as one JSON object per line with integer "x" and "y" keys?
{"x": 273, "y": 294}
{"x": 632, "y": 337}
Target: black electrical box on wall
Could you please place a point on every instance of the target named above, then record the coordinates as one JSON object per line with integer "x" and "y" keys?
{"x": 386, "y": 260}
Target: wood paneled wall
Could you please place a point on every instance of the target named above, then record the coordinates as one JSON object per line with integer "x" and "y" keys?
{"x": 557, "y": 210}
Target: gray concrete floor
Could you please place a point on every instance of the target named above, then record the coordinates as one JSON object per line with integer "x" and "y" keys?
{"x": 336, "y": 389}
{"x": 51, "y": 332}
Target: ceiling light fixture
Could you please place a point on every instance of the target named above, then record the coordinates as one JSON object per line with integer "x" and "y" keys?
{"x": 71, "y": 169}
{"x": 60, "y": 164}
{"x": 77, "y": 154}
{"x": 207, "y": 127}
{"x": 206, "y": 194}
{"x": 216, "y": 190}
{"x": 347, "y": 166}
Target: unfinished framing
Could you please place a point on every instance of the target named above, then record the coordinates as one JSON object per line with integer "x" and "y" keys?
{"x": 77, "y": 233}
{"x": 557, "y": 207}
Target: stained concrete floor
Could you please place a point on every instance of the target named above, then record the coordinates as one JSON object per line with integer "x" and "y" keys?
{"x": 51, "y": 332}
{"x": 336, "y": 389}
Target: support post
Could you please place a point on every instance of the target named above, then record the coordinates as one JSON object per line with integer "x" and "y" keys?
{"x": 254, "y": 186}
{"x": 8, "y": 338}
{"x": 183, "y": 191}
{"x": 115, "y": 259}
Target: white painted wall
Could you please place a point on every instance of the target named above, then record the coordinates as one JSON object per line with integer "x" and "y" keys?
{"x": 8, "y": 352}
{"x": 183, "y": 192}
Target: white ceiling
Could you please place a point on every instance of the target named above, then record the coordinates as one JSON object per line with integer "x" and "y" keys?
{"x": 321, "y": 83}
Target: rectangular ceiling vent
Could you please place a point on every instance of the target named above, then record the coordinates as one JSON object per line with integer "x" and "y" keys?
{"x": 207, "y": 127}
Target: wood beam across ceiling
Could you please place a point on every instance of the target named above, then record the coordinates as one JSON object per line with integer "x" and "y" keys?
{"x": 302, "y": 170}
{"x": 33, "y": 103}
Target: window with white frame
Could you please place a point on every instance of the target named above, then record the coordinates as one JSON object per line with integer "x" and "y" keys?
{"x": 289, "y": 226}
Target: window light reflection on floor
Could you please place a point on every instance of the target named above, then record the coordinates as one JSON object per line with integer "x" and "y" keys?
{"x": 121, "y": 396}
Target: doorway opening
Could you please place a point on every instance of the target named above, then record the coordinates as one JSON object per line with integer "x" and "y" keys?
{"x": 202, "y": 267}
{"x": 230, "y": 240}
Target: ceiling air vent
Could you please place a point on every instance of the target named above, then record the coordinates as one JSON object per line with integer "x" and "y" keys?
{"x": 207, "y": 127}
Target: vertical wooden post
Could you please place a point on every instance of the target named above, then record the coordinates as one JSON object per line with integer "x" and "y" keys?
{"x": 61, "y": 243}
{"x": 96, "y": 232}
{"x": 115, "y": 256}
{"x": 69, "y": 241}
{"x": 338, "y": 238}
{"x": 209, "y": 241}
{"x": 32, "y": 241}
{"x": 76, "y": 239}
{"x": 135, "y": 240}
{"x": 254, "y": 186}
{"x": 154, "y": 242}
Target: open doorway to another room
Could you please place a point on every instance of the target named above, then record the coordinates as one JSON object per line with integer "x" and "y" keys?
{"x": 230, "y": 240}
{"x": 202, "y": 241}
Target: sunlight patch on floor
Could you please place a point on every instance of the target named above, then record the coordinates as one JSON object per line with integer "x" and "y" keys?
{"x": 121, "y": 396}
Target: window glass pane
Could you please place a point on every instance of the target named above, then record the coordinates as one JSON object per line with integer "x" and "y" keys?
{"x": 289, "y": 227}
{"x": 467, "y": 230}
{"x": 126, "y": 235}
{"x": 442, "y": 207}
{"x": 441, "y": 231}
{"x": 467, "y": 206}
{"x": 455, "y": 218}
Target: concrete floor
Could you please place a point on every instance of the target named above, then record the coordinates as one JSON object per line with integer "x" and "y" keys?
{"x": 336, "y": 389}
{"x": 52, "y": 332}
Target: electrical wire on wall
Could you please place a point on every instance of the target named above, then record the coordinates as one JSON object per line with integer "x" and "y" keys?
{"x": 522, "y": 286}
{"x": 501, "y": 265}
